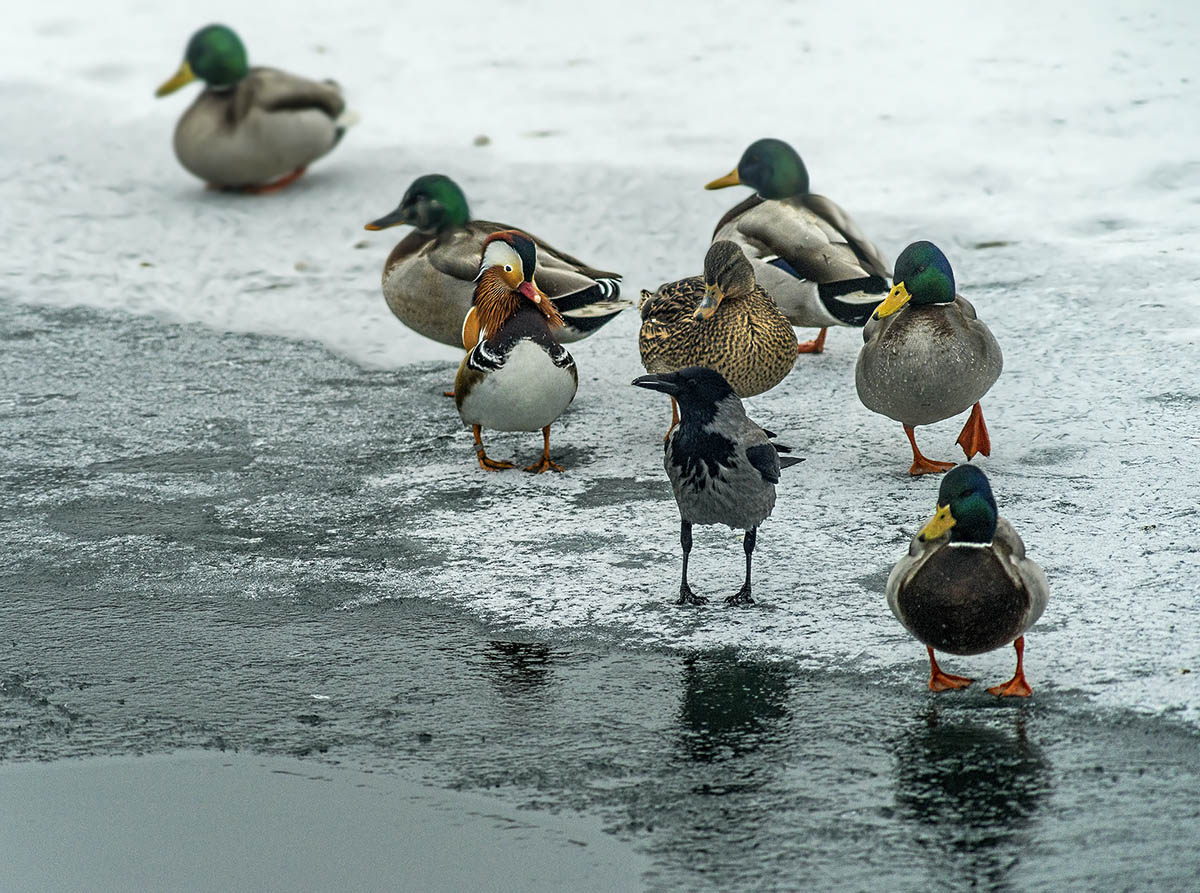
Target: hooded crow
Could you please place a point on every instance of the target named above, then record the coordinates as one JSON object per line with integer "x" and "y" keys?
{"x": 723, "y": 467}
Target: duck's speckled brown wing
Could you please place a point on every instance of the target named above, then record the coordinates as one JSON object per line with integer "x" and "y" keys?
{"x": 665, "y": 314}
{"x": 747, "y": 339}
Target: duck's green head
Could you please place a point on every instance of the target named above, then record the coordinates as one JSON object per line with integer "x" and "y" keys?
{"x": 215, "y": 55}
{"x": 770, "y": 166}
{"x": 966, "y": 508}
{"x": 923, "y": 276}
{"x": 433, "y": 203}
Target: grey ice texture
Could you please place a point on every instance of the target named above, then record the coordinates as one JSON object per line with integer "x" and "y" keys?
{"x": 1049, "y": 150}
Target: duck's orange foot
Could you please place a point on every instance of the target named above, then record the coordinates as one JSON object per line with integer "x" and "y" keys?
{"x": 447, "y": 393}
{"x": 1016, "y": 687}
{"x": 921, "y": 465}
{"x": 817, "y": 345}
{"x": 940, "y": 681}
{"x": 491, "y": 464}
{"x": 275, "y": 186}
{"x": 543, "y": 464}
{"x": 974, "y": 436}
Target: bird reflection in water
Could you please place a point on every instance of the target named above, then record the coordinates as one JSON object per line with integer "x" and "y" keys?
{"x": 971, "y": 791}
{"x": 519, "y": 668}
{"x": 731, "y": 706}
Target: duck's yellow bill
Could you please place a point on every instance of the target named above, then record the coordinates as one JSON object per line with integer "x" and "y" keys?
{"x": 896, "y": 299}
{"x": 181, "y": 78}
{"x": 730, "y": 179}
{"x": 938, "y": 524}
{"x": 709, "y": 303}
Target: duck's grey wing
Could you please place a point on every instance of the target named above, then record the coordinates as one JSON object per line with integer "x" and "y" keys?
{"x": 1009, "y": 543}
{"x": 458, "y": 252}
{"x": 918, "y": 553}
{"x": 807, "y": 232}
{"x": 275, "y": 91}
{"x": 869, "y": 257}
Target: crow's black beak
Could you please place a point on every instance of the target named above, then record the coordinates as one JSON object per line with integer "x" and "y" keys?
{"x": 667, "y": 383}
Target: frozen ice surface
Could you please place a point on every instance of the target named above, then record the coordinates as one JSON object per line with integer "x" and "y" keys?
{"x": 1049, "y": 150}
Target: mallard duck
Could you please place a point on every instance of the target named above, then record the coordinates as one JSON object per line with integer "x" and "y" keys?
{"x": 722, "y": 320}
{"x": 807, "y": 253}
{"x": 926, "y": 356}
{"x": 428, "y": 279}
{"x": 965, "y": 586}
{"x": 251, "y": 129}
{"x": 723, "y": 467}
{"x": 516, "y": 377}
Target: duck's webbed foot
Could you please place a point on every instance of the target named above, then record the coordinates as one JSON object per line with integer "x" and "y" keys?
{"x": 484, "y": 462}
{"x": 974, "y": 437}
{"x": 1016, "y": 687}
{"x": 921, "y": 464}
{"x": 687, "y": 597}
{"x": 817, "y": 345}
{"x": 939, "y": 681}
{"x": 545, "y": 463}
{"x": 492, "y": 464}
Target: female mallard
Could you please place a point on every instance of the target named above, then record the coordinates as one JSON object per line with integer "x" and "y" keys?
{"x": 252, "y": 129}
{"x": 517, "y": 377}
{"x": 926, "y": 356}
{"x": 807, "y": 253}
{"x": 428, "y": 279}
{"x": 965, "y": 586}
{"x": 722, "y": 320}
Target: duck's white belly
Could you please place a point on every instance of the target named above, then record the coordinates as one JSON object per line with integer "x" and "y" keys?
{"x": 526, "y": 394}
{"x": 264, "y": 146}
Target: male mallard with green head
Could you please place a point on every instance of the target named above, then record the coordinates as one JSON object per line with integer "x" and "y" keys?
{"x": 428, "y": 279}
{"x": 926, "y": 356}
{"x": 965, "y": 586}
{"x": 722, "y": 320}
{"x": 251, "y": 129}
{"x": 808, "y": 254}
{"x": 516, "y": 377}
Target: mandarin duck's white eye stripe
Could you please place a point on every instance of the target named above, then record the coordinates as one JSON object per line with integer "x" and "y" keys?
{"x": 501, "y": 254}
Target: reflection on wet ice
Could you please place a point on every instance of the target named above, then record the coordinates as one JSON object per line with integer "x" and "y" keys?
{"x": 971, "y": 793}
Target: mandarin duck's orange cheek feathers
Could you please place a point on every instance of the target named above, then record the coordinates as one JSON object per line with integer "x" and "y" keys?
{"x": 504, "y": 252}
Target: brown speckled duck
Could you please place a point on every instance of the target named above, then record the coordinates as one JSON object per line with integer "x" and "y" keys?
{"x": 721, "y": 320}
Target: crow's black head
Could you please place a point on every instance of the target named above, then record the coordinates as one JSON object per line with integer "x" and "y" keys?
{"x": 693, "y": 387}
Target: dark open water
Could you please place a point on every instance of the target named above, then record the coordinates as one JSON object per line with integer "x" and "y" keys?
{"x": 194, "y": 560}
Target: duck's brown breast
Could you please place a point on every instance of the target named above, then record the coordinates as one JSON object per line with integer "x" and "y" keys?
{"x": 962, "y": 601}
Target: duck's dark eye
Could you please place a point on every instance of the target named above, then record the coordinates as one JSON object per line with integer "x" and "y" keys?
{"x": 507, "y": 268}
